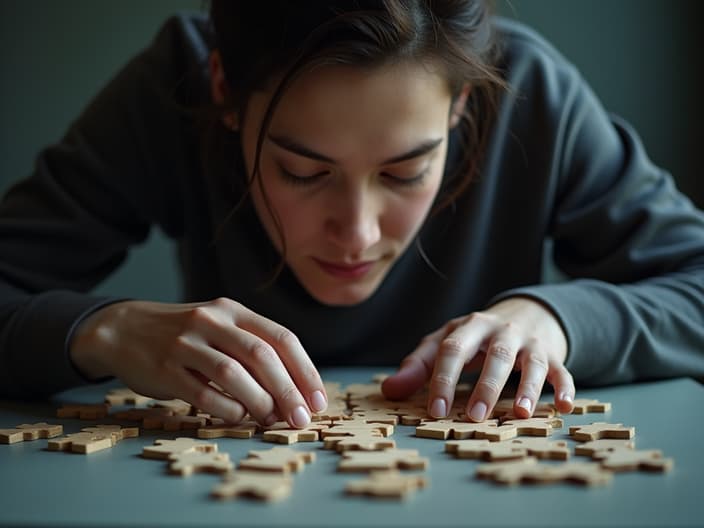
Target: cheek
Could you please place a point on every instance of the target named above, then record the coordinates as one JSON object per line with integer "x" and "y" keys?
{"x": 404, "y": 215}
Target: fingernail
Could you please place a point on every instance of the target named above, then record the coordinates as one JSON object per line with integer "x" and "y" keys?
{"x": 438, "y": 409}
{"x": 566, "y": 397}
{"x": 525, "y": 403}
{"x": 478, "y": 412}
{"x": 317, "y": 400}
{"x": 271, "y": 419}
{"x": 300, "y": 417}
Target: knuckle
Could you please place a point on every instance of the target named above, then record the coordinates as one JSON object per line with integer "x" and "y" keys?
{"x": 223, "y": 303}
{"x": 203, "y": 398}
{"x": 227, "y": 371}
{"x": 451, "y": 347}
{"x": 287, "y": 339}
{"x": 531, "y": 389}
{"x": 501, "y": 352}
{"x": 200, "y": 315}
{"x": 289, "y": 395}
{"x": 443, "y": 381}
{"x": 490, "y": 387}
{"x": 261, "y": 353}
{"x": 537, "y": 362}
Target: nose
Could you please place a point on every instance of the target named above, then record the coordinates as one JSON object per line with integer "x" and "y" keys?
{"x": 353, "y": 220}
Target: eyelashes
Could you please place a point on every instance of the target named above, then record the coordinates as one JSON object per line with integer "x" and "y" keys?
{"x": 309, "y": 180}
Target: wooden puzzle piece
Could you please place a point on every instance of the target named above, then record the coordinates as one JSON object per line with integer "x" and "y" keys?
{"x": 386, "y": 459}
{"x": 353, "y": 427}
{"x": 593, "y": 447}
{"x": 376, "y": 416}
{"x": 139, "y": 415}
{"x": 162, "y": 449}
{"x": 336, "y": 410}
{"x": 485, "y": 450}
{"x": 277, "y": 460}
{"x": 535, "y": 426}
{"x": 443, "y": 429}
{"x": 504, "y": 410}
{"x": 283, "y": 433}
{"x": 92, "y": 439}
{"x": 125, "y": 396}
{"x": 625, "y": 459}
{"x": 597, "y": 430}
{"x": 241, "y": 430}
{"x": 254, "y": 484}
{"x": 544, "y": 448}
{"x": 366, "y": 441}
{"x": 25, "y": 432}
{"x": 528, "y": 471}
{"x": 83, "y": 411}
{"x": 177, "y": 422}
{"x": 177, "y": 406}
{"x": 386, "y": 484}
{"x": 187, "y": 463}
{"x": 584, "y": 405}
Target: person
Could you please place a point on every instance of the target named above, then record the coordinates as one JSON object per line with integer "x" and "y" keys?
{"x": 351, "y": 183}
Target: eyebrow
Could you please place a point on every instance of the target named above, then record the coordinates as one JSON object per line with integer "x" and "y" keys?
{"x": 292, "y": 146}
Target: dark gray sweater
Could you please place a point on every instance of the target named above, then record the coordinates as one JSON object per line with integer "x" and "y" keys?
{"x": 558, "y": 169}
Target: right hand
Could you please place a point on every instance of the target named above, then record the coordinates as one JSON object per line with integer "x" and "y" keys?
{"x": 167, "y": 351}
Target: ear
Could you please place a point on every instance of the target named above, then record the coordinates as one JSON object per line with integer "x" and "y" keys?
{"x": 219, "y": 91}
{"x": 459, "y": 105}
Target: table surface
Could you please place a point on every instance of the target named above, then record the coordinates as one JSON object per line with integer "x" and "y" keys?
{"x": 117, "y": 487}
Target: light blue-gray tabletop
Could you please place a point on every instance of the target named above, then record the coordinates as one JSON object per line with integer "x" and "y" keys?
{"x": 117, "y": 487}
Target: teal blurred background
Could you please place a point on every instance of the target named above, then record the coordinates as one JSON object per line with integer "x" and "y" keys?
{"x": 642, "y": 57}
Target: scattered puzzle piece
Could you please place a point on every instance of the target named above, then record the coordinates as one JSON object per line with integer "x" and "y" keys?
{"x": 625, "y": 459}
{"x": 583, "y": 405}
{"x": 387, "y": 484}
{"x": 277, "y": 460}
{"x": 535, "y": 426}
{"x": 139, "y": 415}
{"x": 593, "y": 447}
{"x": 92, "y": 439}
{"x": 177, "y": 406}
{"x": 177, "y": 422}
{"x": 282, "y": 433}
{"x": 443, "y": 429}
{"x": 124, "y": 396}
{"x": 352, "y": 428}
{"x": 162, "y": 449}
{"x": 528, "y": 471}
{"x": 544, "y": 448}
{"x": 597, "y": 430}
{"x": 386, "y": 459}
{"x": 82, "y": 411}
{"x": 366, "y": 441}
{"x": 485, "y": 450}
{"x": 241, "y": 430}
{"x": 254, "y": 484}
{"x": 25, "y": 432}
{"x": 187, "y": 463}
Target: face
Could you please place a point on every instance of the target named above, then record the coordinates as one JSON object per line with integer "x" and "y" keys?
{"x": 350, "y": 166}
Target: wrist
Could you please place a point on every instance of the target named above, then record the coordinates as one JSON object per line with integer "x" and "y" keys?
{"x": 92, "y": 342}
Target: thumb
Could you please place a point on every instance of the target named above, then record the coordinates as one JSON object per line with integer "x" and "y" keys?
{"x": 415, "y": 370}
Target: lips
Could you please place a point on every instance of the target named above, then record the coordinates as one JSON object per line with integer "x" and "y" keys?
{"x": 345, "y": 271}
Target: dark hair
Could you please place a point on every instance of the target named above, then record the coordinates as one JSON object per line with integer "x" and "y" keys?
{"x": 260, "y": 41}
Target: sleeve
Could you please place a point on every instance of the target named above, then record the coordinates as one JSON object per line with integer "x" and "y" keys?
{"x": 630, "y": 244}
{"x": 111, "y": 178}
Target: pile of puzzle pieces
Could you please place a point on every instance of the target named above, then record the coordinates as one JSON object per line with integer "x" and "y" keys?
{"x": 359, "y": 424}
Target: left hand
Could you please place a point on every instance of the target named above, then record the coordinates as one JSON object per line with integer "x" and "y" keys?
{"x": 516, "y": 333}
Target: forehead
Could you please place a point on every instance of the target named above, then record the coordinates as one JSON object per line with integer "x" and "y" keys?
{"x": 337, "y": 108}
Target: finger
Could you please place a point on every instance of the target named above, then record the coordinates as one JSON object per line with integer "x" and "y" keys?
{"x": 208, "y": 399}
{"x": 455, "y": 350}
{"x": 415, "y": 369}
{"x": 500, "y": 357}
{"x": 563, "y": 383}
{"x": 534, "y": 369}
{"x": 229, "y": 374}
{"x": 293, "y": 356}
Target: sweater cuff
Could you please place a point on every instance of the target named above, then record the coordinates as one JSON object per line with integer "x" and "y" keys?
{"x": 41, "y": 365}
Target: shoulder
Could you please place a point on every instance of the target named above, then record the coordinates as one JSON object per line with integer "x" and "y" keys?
{"x": 529, "y": 62}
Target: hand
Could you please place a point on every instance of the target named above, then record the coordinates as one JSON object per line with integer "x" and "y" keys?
{"x": 174, "y": 350}
{"x": 517, "y": 333}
